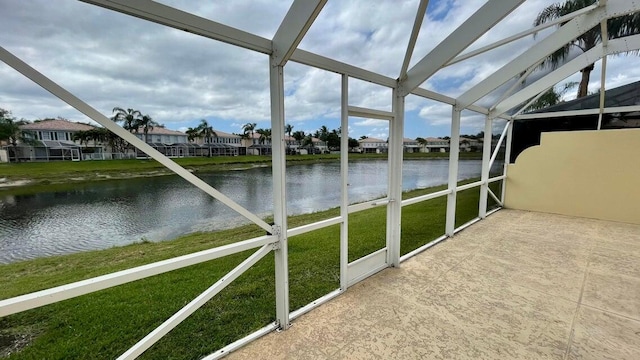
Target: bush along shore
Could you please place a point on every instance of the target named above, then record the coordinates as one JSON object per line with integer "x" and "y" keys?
{"x": 39, "y": 176}
{"x": 106, "y": 323}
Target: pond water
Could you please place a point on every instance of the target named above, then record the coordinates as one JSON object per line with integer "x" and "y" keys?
{"x": 113, "y": 213}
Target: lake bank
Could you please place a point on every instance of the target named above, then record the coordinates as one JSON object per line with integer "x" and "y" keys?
{"x": 95, "y": 215}
{"x": 34, "y": 177}
{"x": 108, "y": 322}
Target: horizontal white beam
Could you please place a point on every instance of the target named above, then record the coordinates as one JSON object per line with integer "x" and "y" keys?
{"x": 464, "y": 35}
{"x": 299, "y": 18}
{"x": 467, "y": 224}
{"x": 368, "y": 205}
{"x": 314, "y": 304}
{"x": 370, "y": 113}
{"x": 366, "y": 266}
{"x": 177, "y": 318}
{"x": 569, "y": 113}
{"x": 423, "y": 248}
{"x": 629, "y": 43}
{"x": 522, "y": 34}
{"x": 178, "y": 19}
{"x": 545, "y": 47}
{"x": 428, "y": 94}
{"x": 468, "y": 186}
{"x": 325, "y": 63}
{"x": 497, "y": 178}
{"x": 110, "y": 125}
{"x": 182, "y": 20}
{"x": 421, "y": 198}
{"x": 68, "y": 291}
{"x": 315, "y": 226}
{"x": 242, "y": 342}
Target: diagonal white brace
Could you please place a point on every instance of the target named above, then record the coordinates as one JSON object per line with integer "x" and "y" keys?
{"x": 92, "y": 113}
{"x": 497, "y": 149}
{"x": 495, "y": 198}
{"x": 474, "y": 27}
{"x": 79, "y": 288}
{"x": 298, "y": 20}
{"x": 194, "y": 305}
{"x": 417, "y": 23}
{"x": 628, "y": 43}
{"x": 166, "y": 15}
{"x": 547, "y": 46}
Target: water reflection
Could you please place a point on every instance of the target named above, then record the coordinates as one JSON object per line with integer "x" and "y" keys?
{"x": 113, "y": 213}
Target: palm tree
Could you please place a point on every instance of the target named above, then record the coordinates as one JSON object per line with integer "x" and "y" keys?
{"x": 11, "y": 132}
{"x": 548, "y": 98}
{"x": 206, "y": 131}
{"x": 147, "y": 124}
{"x": 97, "y": 135}
{"x": 308, "y": 142}
{"x": 115, "y": 142}
{"x": 192, "y": 133}
{"x": 617, "y": 27}
{"x": 83, "y": 137}
{"x": 422, "y": 142}
{"x": 129, "y": 118}
{"x": 248, "y": 129}
{"x": 298, "y": 135}
{"x": 288, "y": 129}
{"x": 322, "y": 133}
{"x": 265, "y": 135}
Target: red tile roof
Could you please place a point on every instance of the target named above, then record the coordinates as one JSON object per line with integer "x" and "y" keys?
{"x": 225, "y": 134}
{"x": 372, "y": 140}
{"x": 433, "y": 139}
{"x": 157, "y": 130}
{"x": 57, "y": 125}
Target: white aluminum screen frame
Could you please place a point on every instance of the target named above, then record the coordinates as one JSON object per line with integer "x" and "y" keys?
{"x": 284, "y": 48}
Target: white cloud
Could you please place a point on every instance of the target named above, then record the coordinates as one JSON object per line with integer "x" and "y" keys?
{"x": 109, "y": 59}
{"x": 370, "y": 122}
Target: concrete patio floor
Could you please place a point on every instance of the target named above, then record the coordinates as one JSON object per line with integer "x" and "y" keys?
{"x": 518, "y": 285}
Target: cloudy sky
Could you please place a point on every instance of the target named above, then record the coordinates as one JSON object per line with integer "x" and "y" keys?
{"x": 113, "y": 60}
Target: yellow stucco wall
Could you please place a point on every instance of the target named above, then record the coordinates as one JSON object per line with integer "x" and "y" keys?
{"x": 594, "y": 174}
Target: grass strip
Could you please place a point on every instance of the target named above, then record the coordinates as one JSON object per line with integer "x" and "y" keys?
{"x": 41, "y": 176}
{"x": 104, "y": 324}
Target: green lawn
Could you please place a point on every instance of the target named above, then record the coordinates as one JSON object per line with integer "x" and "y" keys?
{"x": 103, "y": 325}
{"x": 88, "y": 169}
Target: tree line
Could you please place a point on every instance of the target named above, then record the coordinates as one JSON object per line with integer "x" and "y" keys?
{"x": 10, "y": 131}
{"x": 330, "y": 137}
{"x": 132, "y": 120}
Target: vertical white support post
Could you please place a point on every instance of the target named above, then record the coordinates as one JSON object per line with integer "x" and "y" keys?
{"x": 484, "y": 177}
{"x": 603, "y": 76}
{"x": 276, "y": 79}
{"x": 344, "y": 177}
{"x": 507, "y": 157}
{"x": 394, "y": 208}
{"x": 454, "y": 152}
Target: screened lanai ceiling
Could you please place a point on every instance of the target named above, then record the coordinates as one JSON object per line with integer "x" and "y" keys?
{"x": 178, "y": 75}
{"x": 409, "y": 63}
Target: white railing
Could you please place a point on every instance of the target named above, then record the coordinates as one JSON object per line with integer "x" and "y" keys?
{"x": 350, "y": 272}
